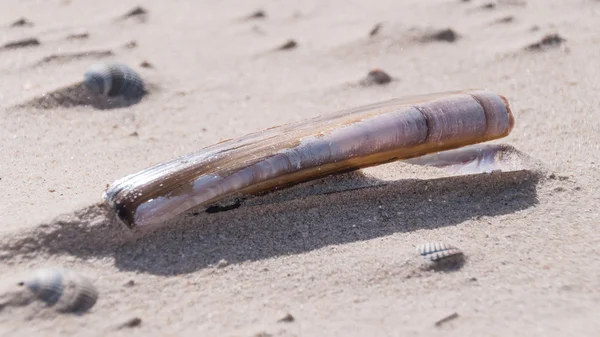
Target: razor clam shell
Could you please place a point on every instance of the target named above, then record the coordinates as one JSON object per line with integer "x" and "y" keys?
{"x": 293, "y": 153}
{"x": 114, "y": 79}
{"x": 64, "y": 290}
{"x": 437, "y": 251}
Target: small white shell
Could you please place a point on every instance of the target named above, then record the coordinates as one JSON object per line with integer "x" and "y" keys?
{"x": 436, "y": 251}
{"x": 114, "y": 79}
{"x": 64, "y": 290}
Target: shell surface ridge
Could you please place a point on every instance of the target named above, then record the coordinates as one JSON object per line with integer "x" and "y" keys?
{"x": 113, "y": 79}
{"x": 435, "y": 251}
{"x": 82, "y": 295}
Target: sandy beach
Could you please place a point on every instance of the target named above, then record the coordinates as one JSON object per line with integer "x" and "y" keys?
{"x": 302, "y": 262}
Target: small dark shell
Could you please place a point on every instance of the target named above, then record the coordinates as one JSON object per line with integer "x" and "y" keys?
{"x": 436, "y": 251}
{"x": 65, "y": 290}
{"x": 114, "y": 79}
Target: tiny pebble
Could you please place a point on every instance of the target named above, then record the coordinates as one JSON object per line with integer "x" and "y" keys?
{"x": 136, "y": 11}
{"x": 291, "y": 44}
{"x": 446, "y": 319}
{"x": 222, "y": 263}
{"x": 131, "y": 323}
{"x": 287, "y": 318}
{"x": 259, "y": 14}
{"x": 549, "y": 40}
{"x": 447, "y": 35}
{"x": 21, "y": 22}
{"x": 375, "y": 30}
{"x": 376, "y": 76}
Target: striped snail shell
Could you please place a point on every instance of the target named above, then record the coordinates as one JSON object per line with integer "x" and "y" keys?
{"x": 64, "y": 290}
{"x": 114, "y": 79}
{"x": 437, "y": 251}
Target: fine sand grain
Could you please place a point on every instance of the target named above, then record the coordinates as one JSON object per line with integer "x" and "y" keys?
{"x": 335, "y": 257}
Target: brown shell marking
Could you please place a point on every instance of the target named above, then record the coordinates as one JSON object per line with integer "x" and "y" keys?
{"x": 290, "y": 154}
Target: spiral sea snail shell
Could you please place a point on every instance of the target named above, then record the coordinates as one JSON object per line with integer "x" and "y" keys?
{"x": 114, "y": 79}
{"x": 64, "y": 290}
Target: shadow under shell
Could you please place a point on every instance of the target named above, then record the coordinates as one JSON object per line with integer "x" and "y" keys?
{"x": 79, "y": 95}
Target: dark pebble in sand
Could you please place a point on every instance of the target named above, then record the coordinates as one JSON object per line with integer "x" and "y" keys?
{"x": 291, "y": 44}
{"x": 550, "y": 40}
{"x": 129, "y": 283}
{"x": 259, "y": 14}
{"x": 22, "y": 43}
{"x": 146, "y": 64}
{"x": 131, "y": 323}
{"x": 375, "y": 30}
{"x": 288, "y": 318}
{"x": 135, "y": 12}
{"x": 447, "y": 35}
{"x": 490, "y": 5}
{"x": 376, "y": 76}
{"x": 22, "y": 22}
{"x": 446, "y": 319}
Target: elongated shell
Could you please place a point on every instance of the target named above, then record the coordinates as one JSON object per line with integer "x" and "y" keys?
{"x": 62, "y": 289}
{"x": 114, "y": 79}
{"x": 293, "y": 153}
{"x": 437, "y": 251}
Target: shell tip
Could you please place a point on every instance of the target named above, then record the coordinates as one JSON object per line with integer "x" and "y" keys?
{"x": 511, "y": 117}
